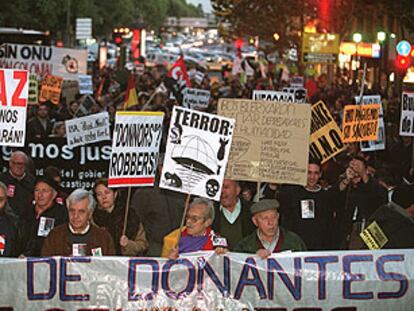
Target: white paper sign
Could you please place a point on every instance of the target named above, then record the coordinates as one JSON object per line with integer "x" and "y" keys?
{"x": 407, "y": 114}
{"x": 379, "y": 144}
{"x": 196, "y": 98}
{"x": 300, "y": 93}
{"x": 273, "y": 96}
{"x": 69, "y": 63}
{"x": 135, "y": 148}
{"x": 14, "y": 91}
{"x": 87, "y": 130}
{"x": 85, "y": 84}
{"x": 197, "y": 152}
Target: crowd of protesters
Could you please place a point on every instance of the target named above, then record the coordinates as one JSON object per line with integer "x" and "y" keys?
{"x": 341, "y": 197}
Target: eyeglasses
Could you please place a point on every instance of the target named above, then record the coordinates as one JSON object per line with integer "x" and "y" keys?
{"x": 193, "y": 218}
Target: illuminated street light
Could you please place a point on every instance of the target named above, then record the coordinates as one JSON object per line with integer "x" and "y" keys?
{"x": 357, "y": 37}
{"x": 276, "y": 36}
{"x": 381, "y": 36}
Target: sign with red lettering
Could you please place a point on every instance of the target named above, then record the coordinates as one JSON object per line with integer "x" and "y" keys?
{"x": 14, "y": 90}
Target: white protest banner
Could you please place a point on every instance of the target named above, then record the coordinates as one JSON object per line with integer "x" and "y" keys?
{"x": 407, "y": 114}
{"x": 14, "y": 91}
{"x": 300, "y": 93}
{"x": 372, "y": 145}
{"x": 69, "y": 63}
{"x": 301, "y": 281}
{"x": 85, "y": 84}
{"x": 197, "y": 151}
{"x": 326, "y": 137}
{"x": 87, "y": 130}
{"x": 271, "y": 140}
{"x": 273, "y": 96}
{"x": 44, "y": 60}
{"x": 135, "y": 148}
{"x": 196, "y": 98}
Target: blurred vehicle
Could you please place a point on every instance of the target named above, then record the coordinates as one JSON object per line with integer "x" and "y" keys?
{"x": 165, "y": 59}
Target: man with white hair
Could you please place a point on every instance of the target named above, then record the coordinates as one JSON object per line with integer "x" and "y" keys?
{"x": 79, "y": 237}
{"x": 20, "y": 183}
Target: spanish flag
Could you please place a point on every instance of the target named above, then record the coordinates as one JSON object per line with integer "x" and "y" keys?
{"x": 131, "y": 98}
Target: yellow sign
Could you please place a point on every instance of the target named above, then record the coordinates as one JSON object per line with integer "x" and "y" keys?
{"x": 320, "y": 47}
{"x": 373, "y": 236}
{"x": 51, "y": 89}
{"x": 325, "y": 139}
{"x": 360, "y": 123}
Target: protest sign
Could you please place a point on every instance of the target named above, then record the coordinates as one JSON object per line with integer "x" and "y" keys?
{"x": 79, "y": 167}
{"x": 325, "y": 139}
{"x": 135, "y": 148}
{"x": 271, "y": 140}
{"x": 14, "y": 89}
{"x": 51, "y": 89}
{"x": 197, "y": 152}
{"x": 301, "y": 281}
{"x": 44, "y": 60}
{"x": 87, "y": 130}
{"x": 33, "y": 98}
{"x": 273, "y": 96}
{"x": 300, "y": 93}
{"x": 196, "y": 98}
{"x": 85, "y": 84}
{"x": 297, "y": 81}
{"x": 360, "y": 123}
{"x": 379, "y": 144}
{"x": 407, "y": 114}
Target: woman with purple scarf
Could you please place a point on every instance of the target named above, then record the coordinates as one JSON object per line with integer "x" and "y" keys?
{"x": 197, "y": 234}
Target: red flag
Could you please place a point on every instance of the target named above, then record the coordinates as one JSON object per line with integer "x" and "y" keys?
{"x": 178, "y": 72}
{"x": 131, "y": 98}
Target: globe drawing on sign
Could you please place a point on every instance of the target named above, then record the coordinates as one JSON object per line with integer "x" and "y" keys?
{"x": 195, "y": 154}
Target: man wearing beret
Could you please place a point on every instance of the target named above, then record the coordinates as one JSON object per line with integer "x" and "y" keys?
{"x": 269, "y": 237}
{"x": 38, "y": 221}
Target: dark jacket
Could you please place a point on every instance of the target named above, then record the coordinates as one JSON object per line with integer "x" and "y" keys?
{"x": 396, "y": 224}
{"x": 35, "y": 129}
{"x": 251, "y": 243}
{"x": 246, "y": 218}
{"x": 30, "y": 242}
{"x": 58, "y": 242}
{"x": 8, "y": 235}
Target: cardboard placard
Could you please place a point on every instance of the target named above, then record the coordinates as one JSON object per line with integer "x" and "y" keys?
{"x": 407, "y": 114}
{"x": 271, "y": 140}
{"x": 196, "y": 98}
{"x": 197, "y": 152}
{"x": 135, "y": 148}
{"x": 14, "y": 89}
{"x": 379, "y": 144}
{"x": 273, "y": 96}
{"x": 360, "y": 123}
{"x": 51, "y": 89}
{"x": 87, "y": 130}
{"x": 325, "y": 139}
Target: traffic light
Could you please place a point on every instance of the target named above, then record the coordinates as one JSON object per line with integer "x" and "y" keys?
{"x": 402, "y": 62}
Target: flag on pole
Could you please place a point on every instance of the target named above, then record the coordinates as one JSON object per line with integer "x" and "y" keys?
{"x": 178, "y": 72}
{"x": 131, "y": 98}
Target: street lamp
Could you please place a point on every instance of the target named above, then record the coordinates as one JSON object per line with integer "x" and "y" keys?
{"x": 357, "y": 38}
{"x": 381, "y": 36}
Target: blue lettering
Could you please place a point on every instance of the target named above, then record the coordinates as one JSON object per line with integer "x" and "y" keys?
{"x": 250, "y": 265}
{"x": 349, "y": 277}
{"x": 133, "y": 263}
{"x": 322, "y": 262}
{"x": 64, "y": 277}
{"x": 391, "y": 277}
{"x": 203, "y": 265}
{"x": 30, "y": 279}
{"x": 190, "y": 281}
{"x": 294, "y": 289}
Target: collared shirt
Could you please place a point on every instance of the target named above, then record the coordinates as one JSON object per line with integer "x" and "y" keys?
{"x": 231, "y": 216}
{"x": 272, "y": 245}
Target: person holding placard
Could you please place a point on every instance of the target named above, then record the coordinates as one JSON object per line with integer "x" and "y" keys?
{"x": 269, "y": 237}
{"x": 110, "y": 214}
{"x": 79, "y": 237}
{"x": 197, "y": 234}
